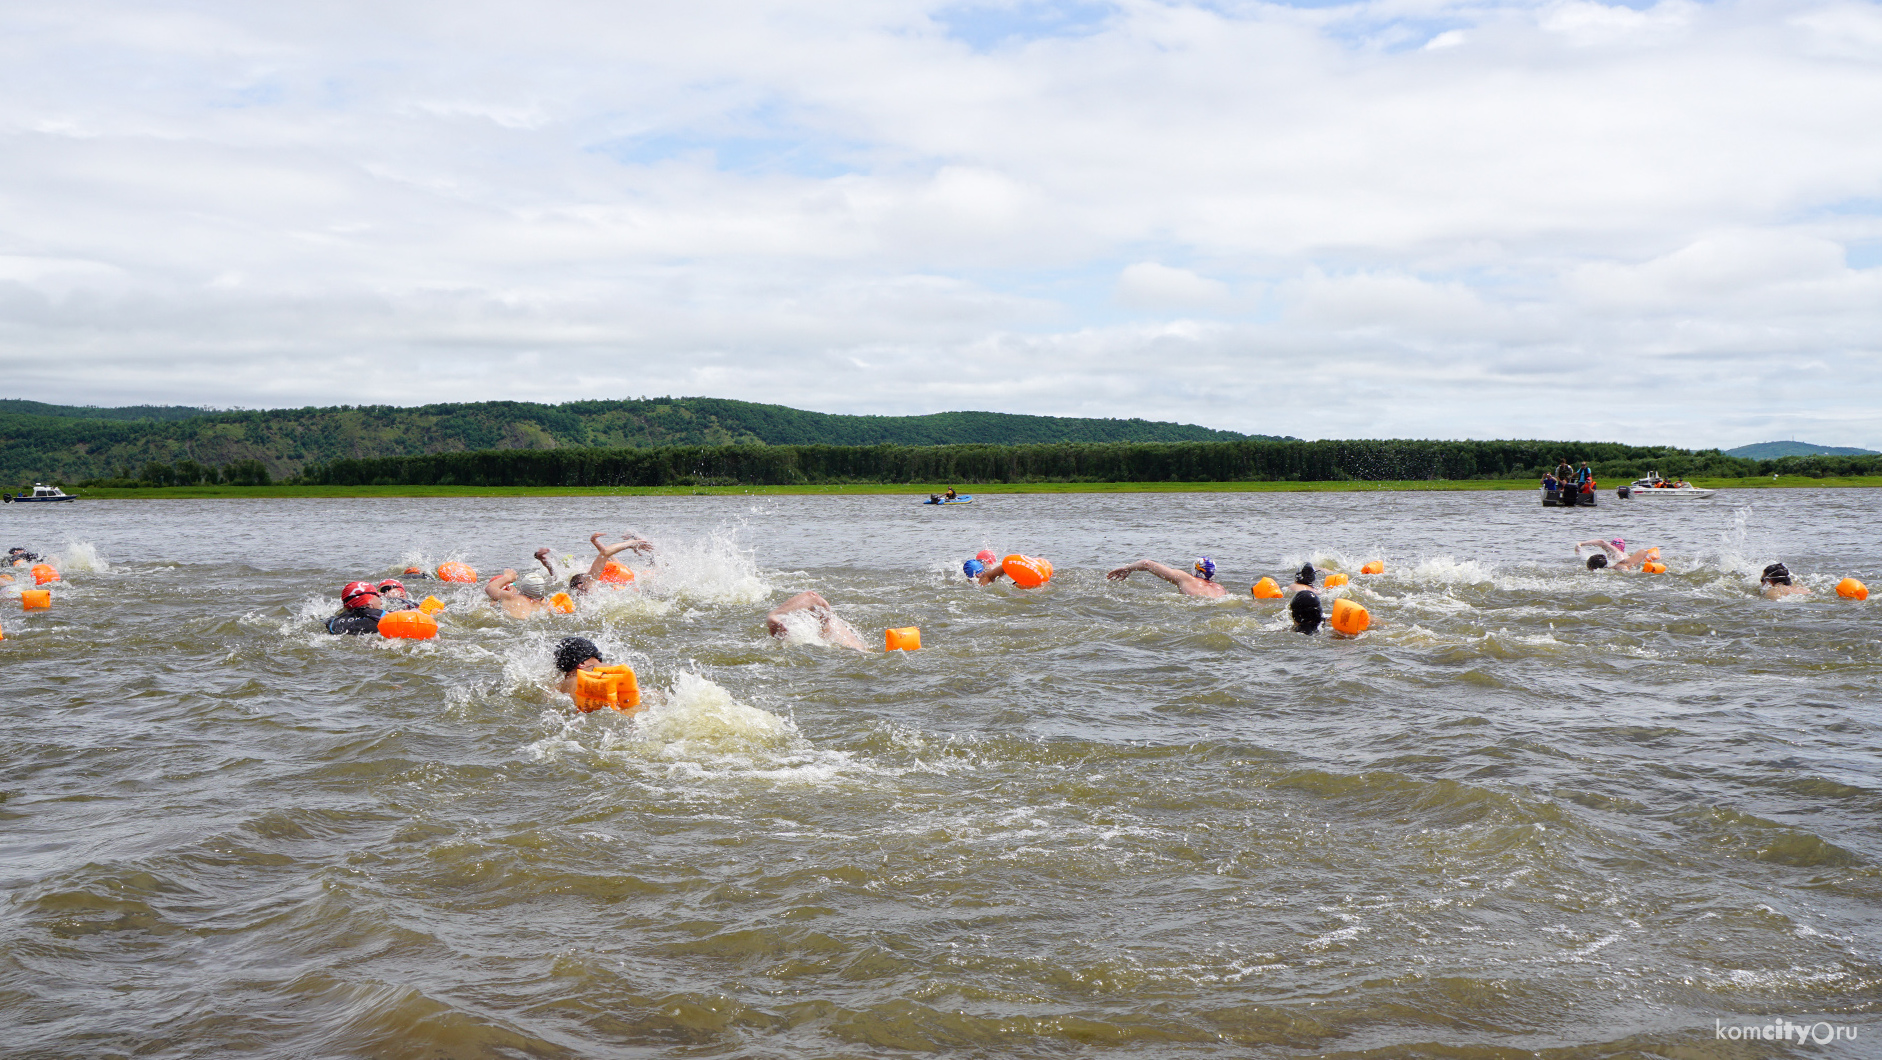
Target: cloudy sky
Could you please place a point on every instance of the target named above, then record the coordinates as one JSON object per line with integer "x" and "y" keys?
{"x": 1401, "y": 218}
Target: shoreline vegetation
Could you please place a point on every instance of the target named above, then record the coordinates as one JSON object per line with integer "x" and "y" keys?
{"x": 919, "y": 490}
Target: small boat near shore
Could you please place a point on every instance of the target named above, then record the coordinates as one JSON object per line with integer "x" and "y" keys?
{"x": 1567, "y": 498}
{"x": 41, "y": 494}
{"x": 965, "y": 498}
{"x": 1655, "y": 486}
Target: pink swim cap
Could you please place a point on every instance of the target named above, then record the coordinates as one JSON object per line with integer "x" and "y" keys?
{"x": 1619, "y": 543}
{"x": 985, "y": 555}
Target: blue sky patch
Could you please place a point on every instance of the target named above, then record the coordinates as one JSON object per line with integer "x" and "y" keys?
{"x": 985, "y": 27}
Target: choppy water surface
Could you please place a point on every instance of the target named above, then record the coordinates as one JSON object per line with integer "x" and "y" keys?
{"x": 1534, "y": 809}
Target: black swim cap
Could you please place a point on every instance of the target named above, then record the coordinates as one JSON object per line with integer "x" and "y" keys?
{"x": 1305, "y": 609}
{"x": 573, "y": 651}
{"x": 1305, "y": 575}
{"x": 1596, "y": 562}
{"x": 1777, "y": 574}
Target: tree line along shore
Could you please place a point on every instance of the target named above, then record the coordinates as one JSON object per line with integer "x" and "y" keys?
{"x": 1250, "y": 463}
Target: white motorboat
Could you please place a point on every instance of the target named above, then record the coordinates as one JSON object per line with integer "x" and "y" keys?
{"x": 41, "y": 493}
{"x": 1655, "y": 486}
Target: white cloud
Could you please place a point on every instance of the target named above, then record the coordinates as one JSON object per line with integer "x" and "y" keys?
{"x": 285, "y": 205}
{"x": 1151, "y": 285}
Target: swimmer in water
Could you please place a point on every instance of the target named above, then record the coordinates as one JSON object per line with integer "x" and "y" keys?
{"x": 1775, "y": 583}
{"x": 19, "y": 557}
{"x": 392, "y": 596}
{"x": 414, "y": 572}
{"x": 519, "y": 595}
{"x": 1304, "y": 606}
{"x": 575, "y": 653}
{"x": 829, "y": 626}
{"x": 1614, "y": 553}
{"x": 1202, "y": 583}
{"x": 359, "y": 612}
{"x": 605, "y": 553}
{"x": 973, "y": 567}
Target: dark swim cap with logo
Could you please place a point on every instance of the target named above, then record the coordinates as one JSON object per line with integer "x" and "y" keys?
{"x": 573, "y": 651}
{"x": 1777, "y": 574}
{"x": 1305, "y": 610}
{"x": 1597, "y": 562}
{"x": 1306, "y": 574}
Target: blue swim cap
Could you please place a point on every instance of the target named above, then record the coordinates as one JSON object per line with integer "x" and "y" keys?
{"x": 1205, "y": 567}
{"x": 972, "y": 567}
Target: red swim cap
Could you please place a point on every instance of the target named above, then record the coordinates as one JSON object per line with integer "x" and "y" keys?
{"x": 355, "y": 590}
{"x": 985, "y": 555}
{"x": 392, "y": 583}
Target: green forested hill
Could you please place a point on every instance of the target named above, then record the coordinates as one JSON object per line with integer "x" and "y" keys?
{"x": 21, "y": 407}
{"x": 65, "y": 443}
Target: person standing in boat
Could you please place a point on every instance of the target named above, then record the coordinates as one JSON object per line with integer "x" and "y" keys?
{"x": 1584, "y": 479}
{"x": 1563, "y": 473}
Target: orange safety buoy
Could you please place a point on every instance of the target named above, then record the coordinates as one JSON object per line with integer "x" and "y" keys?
{"x": 35, "y": 599}
{"x": 1027, "y": 572}
{"x": 562, "y": 603}
{"x": 1266, "y": 589}
{"x": 43, "y": 573}
{"x": 1851, "y": 589}
{"x": 1377, "y": 566}
{"x": 1349, "y": 618}
{"x": 615, "y": 574}
{"x": 607, "y": 686}
{"x": 431, "y": 605}
{"x": 414, "y": 624}
{"x": 908, "y": 638}
{"x": 1335, "y": 579}
{"x": 1653, "y": 566}
{"x": 456, "y": 572}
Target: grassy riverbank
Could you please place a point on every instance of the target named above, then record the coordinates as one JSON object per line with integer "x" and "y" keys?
{"x": 907, "y": 489}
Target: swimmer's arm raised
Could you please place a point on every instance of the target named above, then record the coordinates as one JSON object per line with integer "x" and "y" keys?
{"x": 498, "y": 588}
{"x": 1167, "y": 573}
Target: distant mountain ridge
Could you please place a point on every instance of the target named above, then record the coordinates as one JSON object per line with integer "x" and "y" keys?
{"x": 18, "y": 406}
{"x": 70, "y": 443}
{"x": 1774, "y": 450}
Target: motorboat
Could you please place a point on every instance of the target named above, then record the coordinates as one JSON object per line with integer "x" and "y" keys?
{"x": 1655, "y": 486}
{"x": 1568, "y": 498}
{"x": 42, "y": 493}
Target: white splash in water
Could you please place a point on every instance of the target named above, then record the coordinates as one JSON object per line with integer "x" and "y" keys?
{"x": 715, "y": 569}
{"x": 79, "y": 556}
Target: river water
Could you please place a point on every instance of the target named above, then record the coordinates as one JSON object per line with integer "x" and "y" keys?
{"x": 1534, "y": 808}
